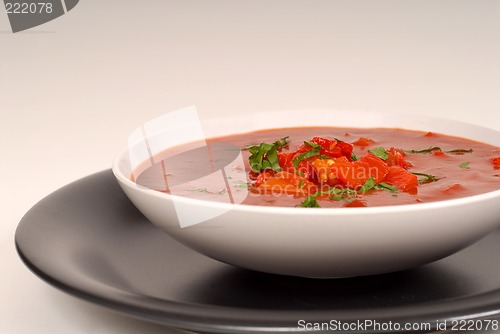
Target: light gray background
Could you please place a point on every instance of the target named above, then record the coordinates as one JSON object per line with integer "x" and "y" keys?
{"x": 71, "y": 91}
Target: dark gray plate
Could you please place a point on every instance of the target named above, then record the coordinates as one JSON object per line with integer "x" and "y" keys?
{"x": 87, "y": 239}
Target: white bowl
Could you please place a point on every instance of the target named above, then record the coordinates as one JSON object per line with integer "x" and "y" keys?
{"x": 320, "y": 242}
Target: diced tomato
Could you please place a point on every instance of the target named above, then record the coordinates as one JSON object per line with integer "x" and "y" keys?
{"x": 288, "y": 183}
{"x": 304, "y": 169}
{"x": 377, "y": 168}
{"x": 397, "y": 158}
{"x": 285, "y": 160}
{"x": 496, "y": 162}
{"x": 363, "y": 142}
{"x": 439, "y": 153}
{"x": 327, "y": 144}
{"x": 262, "y": 177}
{"x": 402, "y": 179}
{"x": 342, "y": 149}
{"x": 352, "y": 174}
{"x": 253, "y": 175}
{"x": 321, "y": 172}
{"x": 456, "y": 187}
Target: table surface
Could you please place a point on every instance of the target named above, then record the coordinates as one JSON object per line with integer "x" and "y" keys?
{"x": 72, "y": 90}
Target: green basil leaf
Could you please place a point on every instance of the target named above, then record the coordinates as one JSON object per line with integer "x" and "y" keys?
{"x": 460, "y": 151}
{"x": 303, "y": 156}
{"x": 313, "y": 145}
{"x": 427, "y": 150}
{"x": 281, "y": 142}
{"x": 379, "y": 152}
{"x": 386, "y": 187}
{"x": 427, "y": 178}
{"x": 265, "y": 156}
{"x": 368, "y": 185}
{"x": 310, "y": 202}
{"x": 464, "y": 165}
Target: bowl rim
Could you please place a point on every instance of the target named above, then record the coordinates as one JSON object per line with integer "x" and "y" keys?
{"x": 447, "y": 203}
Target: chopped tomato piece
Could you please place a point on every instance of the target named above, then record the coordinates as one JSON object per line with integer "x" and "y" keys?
{"x": 288, "y": 183}
{"x": 285, "y": 160}
{"x": 496, "y": 163}
{"x": 453, "y": 188}
{"x": 342, "y": 149}
{"x": 327, "y": 144}
{"x": 305, "y": 169}
{"x": 377, "y": 168}
{"x": 402, "y": 179}
{"x": 322, "y": 172}
{"x": 363, "y": 142}
{"x": 262, "y": 177}
{"x": 397, "y": 158}
{"x": 353, "y": 174}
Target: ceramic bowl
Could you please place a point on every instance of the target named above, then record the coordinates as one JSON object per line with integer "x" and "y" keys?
{"x": 314, "y": 242}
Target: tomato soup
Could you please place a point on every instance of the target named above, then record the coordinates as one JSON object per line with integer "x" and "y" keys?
{"x": 326, "y": 167}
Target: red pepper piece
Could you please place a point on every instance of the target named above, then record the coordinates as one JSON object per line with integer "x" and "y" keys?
{"x": 402, "y": 179}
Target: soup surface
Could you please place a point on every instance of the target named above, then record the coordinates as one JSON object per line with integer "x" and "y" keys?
{"x": 326, "y": 167}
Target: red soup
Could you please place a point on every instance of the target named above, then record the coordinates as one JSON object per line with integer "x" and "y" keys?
{"x": 327, "y": 167}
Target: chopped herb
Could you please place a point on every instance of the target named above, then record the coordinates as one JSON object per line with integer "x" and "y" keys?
{"x": 310, "y": 201}
{"x": 379, "y": 152}
{"x": 346, "y": 194}
{"x": 336, "y": 197}
{"x": 427, "y": 178}
{"x": 272, "y": 158}
{"x": 265, "y": 156}
{"x": 205, "y": 190}
{"x": 386, "y": 187}
{"x": 354, "y": 157}
{"x": 301, "y": 184}
{"x": 349, "y": 199}
{"x": 281, "y": 142}
{"x": 313, "y": 145}
{"x": 369, "y": 184}
{"x": 427, "y": 150}
{"x": 464, "y": 165}
{"x": 436, "y": 148}
{"x": 243, "y": 185}
{"x": 303, "y": 156}
{"x": 302, "y": 174}
{"x": 248, "y": 147}
{"x": 323, "y": 156}
{"x": 199, "y": 190}
{"x": 308, "y": 154}
{"x": 460, "y": 151}
{"x": 338, "y": 194}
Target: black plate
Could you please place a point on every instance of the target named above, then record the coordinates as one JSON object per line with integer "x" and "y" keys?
{"x": 89, "y": 240}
